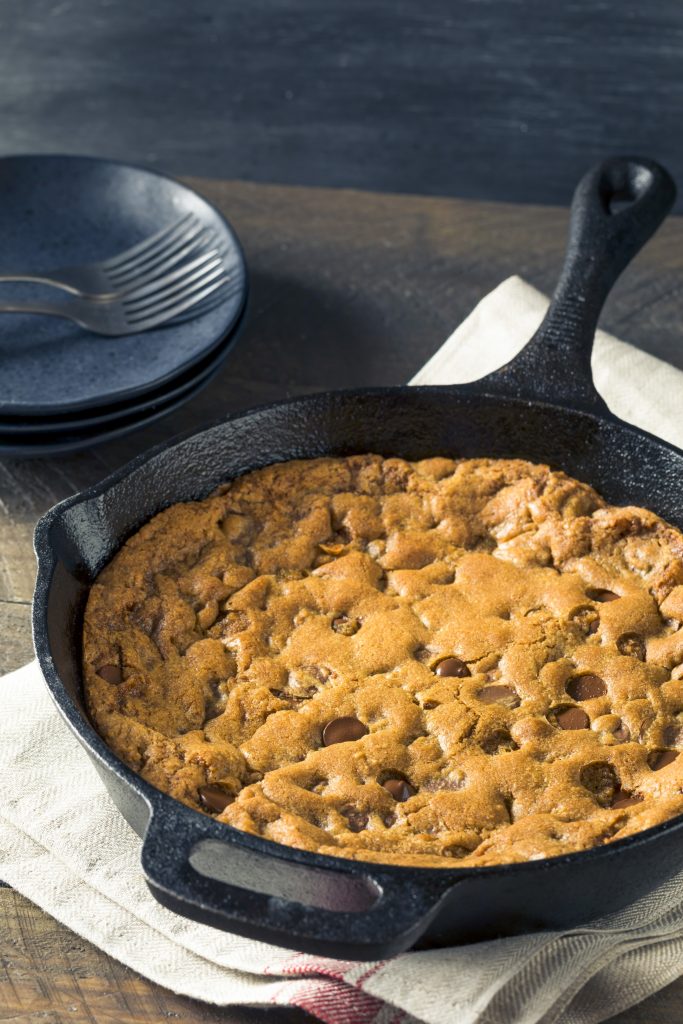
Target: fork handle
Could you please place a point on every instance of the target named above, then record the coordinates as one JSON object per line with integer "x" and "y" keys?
{"x": 45, "y": 309}
{"x": 53, "y": 282}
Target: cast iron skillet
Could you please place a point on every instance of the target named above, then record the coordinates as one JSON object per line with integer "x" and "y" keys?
{"x": 542, "y": 407}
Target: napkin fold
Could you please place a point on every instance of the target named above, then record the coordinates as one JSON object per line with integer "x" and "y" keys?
{"x": 64, "y": 845}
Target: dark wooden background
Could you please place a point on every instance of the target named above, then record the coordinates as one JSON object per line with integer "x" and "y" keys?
{"x": 494, "y": 99}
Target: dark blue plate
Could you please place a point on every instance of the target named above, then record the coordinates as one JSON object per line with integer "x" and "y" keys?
{"x": 18, "y": 429}
{"x": 59, "y": 210}
{"x": 72, "y": 439}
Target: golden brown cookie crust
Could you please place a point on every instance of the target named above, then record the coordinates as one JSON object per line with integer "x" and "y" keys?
{"x": 508, "y": 646}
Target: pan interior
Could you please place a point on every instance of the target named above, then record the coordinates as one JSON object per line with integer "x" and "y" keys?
{"x": 79, "y": 537}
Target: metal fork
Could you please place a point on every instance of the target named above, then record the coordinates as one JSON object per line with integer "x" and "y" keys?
{"x": 145, "y": 262}
{"x": 142, "y": 309}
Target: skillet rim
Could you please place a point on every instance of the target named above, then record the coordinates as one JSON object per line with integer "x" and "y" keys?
{"x": 156, "y": 799}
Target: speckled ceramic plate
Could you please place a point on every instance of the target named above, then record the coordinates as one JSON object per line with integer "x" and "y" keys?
{"x": 94, "y": 421}
{"x": 59, "y": 210}
{"x": 72, "y": 437}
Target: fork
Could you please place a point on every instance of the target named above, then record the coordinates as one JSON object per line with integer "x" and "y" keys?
{"x": 143, "y": 263}
{"x": 142, "y": 309}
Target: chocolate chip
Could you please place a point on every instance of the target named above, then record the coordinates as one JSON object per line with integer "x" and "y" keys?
{"x": 452, "y": 667}
{"x": 429, "y": 705}
{"x": 343, "y": 730}
{"x": 602, "y": 595}
{"x": 572, "y": 718}
{"x": 345, "y": 625}
{"x": 624, "y": 799}
{"x": 399, "y": 789}
{"x": 499, "y": 695}
{"x": 586, "y": 687}
{"x": 661, "y": 758}
{"x": 593, "y": 627}
{"x": 213, "y": 798}
{"x": 622, "y": 733}
{"x": 110, "y": 674}
{"x": 600, "y": 779}
{"x": 357, "y": 819}
{"x": 631, "y": 645}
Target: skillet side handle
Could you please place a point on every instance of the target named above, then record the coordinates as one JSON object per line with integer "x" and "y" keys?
{"x": 389, "y": 919}
{"x": 555, "y": 365}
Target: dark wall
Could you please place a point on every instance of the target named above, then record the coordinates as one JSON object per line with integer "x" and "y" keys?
{"x": 506, "y": 99}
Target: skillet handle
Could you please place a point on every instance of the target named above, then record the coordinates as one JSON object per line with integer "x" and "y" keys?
{"x": 356, "y": 910}
{"x": 555, "y": 365}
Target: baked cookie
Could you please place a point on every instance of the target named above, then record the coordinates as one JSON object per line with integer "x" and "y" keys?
{"x": 440, "y": 663}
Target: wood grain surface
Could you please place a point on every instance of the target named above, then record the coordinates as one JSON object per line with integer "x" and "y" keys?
{"x": 48, "y": 975}
{"x": 347, "y": 289}
{"x": 493, "y": 99}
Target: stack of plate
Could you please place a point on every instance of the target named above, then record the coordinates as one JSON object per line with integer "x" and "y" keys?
{"x": 61, "y": 387}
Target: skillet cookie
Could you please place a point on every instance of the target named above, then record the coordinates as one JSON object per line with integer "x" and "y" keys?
{"x": 440, "y": 663}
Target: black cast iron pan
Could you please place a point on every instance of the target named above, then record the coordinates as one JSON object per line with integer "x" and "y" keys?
{"x": 542, "y": 407}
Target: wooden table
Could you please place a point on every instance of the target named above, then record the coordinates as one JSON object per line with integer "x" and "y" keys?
{"x": 348, "y": 288}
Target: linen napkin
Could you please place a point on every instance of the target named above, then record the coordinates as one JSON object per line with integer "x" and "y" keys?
{"x": 65, "y": 846}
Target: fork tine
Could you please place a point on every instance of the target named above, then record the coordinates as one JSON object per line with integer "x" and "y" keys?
{"x": 175, "y": 310}
{"x": 175, "y": 291}
{"x": 199, "y": 248}
{"x": 206, "y": 305}
{"x": 137, "y": 265}
{"x": 166, "y": 257}
{"x": 231, "y": 287}
{"x": 205, "y": 260}
{"x": 152, "y": 304}
{"x": 180, "y": 278}
{"x": 147, "y": 243}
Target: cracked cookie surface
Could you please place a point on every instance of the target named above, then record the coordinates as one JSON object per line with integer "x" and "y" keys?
{"x": 442, "y": 663}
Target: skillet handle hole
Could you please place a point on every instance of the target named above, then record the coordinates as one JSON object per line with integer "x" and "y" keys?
{"x": 619, "y": 203}
{"x": 297, "y": 883}
{"x": 629, "y": 190}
